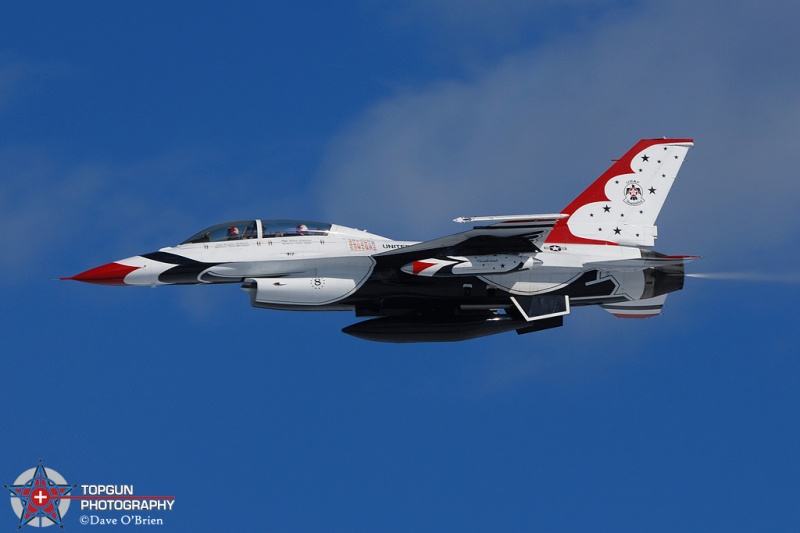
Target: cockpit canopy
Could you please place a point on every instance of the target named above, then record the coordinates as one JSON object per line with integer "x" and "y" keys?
{"x": 259, "y": 229}
{"x": 284, "y": 228}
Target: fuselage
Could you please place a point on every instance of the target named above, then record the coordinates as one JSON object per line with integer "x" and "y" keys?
{"x": 303, "y": 265}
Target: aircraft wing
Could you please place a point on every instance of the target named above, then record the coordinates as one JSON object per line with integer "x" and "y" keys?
{"x": 507, "y": 234}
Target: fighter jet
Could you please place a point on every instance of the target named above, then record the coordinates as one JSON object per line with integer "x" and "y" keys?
{"x": 520, "y": 273}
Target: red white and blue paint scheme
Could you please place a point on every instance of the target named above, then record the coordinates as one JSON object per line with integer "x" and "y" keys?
{"x": 520, "y": 273}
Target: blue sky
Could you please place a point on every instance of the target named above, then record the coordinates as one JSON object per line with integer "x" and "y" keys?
{"x": 131, "y": 127}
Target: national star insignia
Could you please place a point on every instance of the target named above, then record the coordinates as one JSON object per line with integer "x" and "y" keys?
{"x": 652, "y": 190}
{"x": 617, "y": 231}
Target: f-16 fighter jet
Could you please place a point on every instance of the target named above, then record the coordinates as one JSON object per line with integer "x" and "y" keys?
{"x": 520, "y": 273}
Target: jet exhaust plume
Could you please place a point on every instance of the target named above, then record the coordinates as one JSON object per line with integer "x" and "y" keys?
{"x": 748, "y": 276}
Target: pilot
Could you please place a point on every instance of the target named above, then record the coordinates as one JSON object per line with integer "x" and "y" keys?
{"x": 249, "y": 233}
{"x": 233, "y": 233}
{"x": 302, "y": 229}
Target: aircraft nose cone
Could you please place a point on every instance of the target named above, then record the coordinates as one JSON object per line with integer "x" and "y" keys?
{"x": 110, "y": 274}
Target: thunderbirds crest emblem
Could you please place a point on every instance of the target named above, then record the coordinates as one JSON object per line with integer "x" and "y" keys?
{"x": 634, "y": 195}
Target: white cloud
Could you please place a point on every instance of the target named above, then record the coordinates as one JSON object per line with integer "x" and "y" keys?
{"x": 476, "y": 30}
{"x": 530, "y": 132}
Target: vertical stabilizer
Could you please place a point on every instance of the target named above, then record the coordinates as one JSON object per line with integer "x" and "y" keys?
{"x": 622, "y": 205}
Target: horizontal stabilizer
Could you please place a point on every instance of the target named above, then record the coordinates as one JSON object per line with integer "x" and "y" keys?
{"x": 637, "y": 308}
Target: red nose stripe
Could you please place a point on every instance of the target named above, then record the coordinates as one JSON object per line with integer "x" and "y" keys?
{"x": 110, "y": 274}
